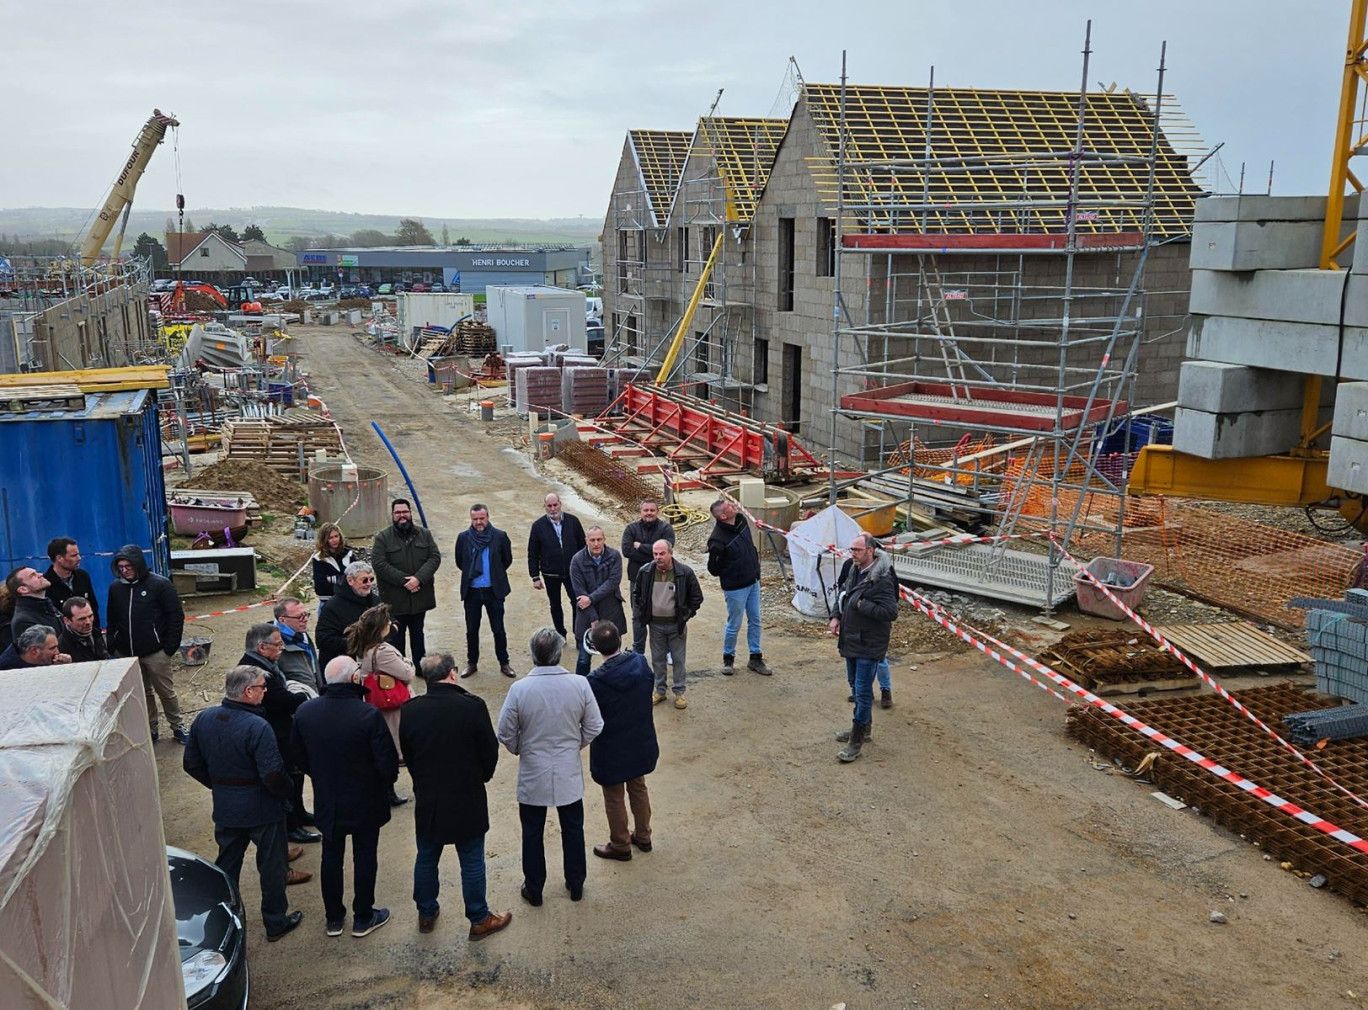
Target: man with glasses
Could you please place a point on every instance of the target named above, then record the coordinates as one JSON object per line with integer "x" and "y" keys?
{"x": 146, "y": 620}
{"x": 406, "y": 558}
{"x": 231, "y": 750}
{"x": 866, "y": 607}
{"x": 299, "y": 656}
{"x": 355, "y": 595}
{"x": 264, "y": 646}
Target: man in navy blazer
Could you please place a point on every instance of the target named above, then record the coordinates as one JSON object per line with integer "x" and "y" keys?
{"x": 484, "y": 555}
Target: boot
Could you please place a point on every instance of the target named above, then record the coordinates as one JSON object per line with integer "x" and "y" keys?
{"x": 851, "y": 751}
{"x": 886, "y": 699}
{"x": 844, "y": 735}
{"x": 728, "y": 665}
{"x": 757, "y": 663}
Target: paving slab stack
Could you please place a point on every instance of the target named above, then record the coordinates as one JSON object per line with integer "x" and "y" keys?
{"x": 1339, "y": 647}
{"x": 1263, "y": 318}
{"x": 584, "y": 390}
{"x": 539, "y": 389}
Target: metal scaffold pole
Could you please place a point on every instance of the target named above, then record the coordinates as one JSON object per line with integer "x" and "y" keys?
{"x": 836, "y": 286}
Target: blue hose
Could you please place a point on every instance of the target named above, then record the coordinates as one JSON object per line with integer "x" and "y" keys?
{"x": 400, "y": 463}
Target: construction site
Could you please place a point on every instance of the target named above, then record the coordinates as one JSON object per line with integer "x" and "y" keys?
{"x": 1107, "y": 419}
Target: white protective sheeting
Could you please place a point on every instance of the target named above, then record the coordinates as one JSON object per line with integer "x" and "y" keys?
{"x": 86, "y": 914}
{"x": 815, "y": 569}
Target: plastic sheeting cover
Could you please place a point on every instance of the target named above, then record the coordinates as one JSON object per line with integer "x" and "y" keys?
{"x": 86, "y": 914}
{"x": 815, "y": 570}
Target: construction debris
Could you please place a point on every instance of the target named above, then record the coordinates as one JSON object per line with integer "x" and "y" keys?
{"x": 1108, "y": 661}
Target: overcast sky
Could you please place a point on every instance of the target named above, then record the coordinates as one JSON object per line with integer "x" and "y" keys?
{"x": 519, "y": 108}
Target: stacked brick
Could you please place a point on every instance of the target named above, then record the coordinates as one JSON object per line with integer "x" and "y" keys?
{"x": 512, "y": 365}
{"x": 538, "y": 389}
{"x": 584, "y": 390}
{"x": 1339, "y": 646}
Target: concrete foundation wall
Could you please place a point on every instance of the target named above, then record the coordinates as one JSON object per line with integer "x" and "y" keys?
{"x": 90, "y": 331}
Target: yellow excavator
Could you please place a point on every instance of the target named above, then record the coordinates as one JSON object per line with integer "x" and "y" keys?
{"x": 120, "y": 199}
{"x": 1297, "y": 477}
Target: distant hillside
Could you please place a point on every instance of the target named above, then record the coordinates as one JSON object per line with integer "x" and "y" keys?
{"x": 282, "y": 223}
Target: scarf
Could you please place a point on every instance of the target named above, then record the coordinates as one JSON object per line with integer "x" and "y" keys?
{"x": 480, "y": 541}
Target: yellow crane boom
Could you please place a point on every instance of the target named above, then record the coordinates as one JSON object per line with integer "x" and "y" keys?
{"x": 120, "y": 198}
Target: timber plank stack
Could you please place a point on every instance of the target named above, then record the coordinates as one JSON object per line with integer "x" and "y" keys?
{"x": 275, "y": 441}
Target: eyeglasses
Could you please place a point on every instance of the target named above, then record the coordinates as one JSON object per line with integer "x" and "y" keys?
{"x": 295, "y": 617}
{"x": 273, "y": 645}
{"x": 365, "y": 580}
{"x": 256, "y": 687}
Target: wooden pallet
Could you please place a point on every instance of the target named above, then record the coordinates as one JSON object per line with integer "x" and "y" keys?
{"x": 1098, "y": 660}
{"x": 1231, "y": 644}
{"x": 54, "y": 396}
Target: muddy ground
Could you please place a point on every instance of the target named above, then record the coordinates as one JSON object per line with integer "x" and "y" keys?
{"x": 975, "y": 856}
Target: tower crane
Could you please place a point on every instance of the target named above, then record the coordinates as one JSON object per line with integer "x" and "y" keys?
{"x": 120, "y": 199}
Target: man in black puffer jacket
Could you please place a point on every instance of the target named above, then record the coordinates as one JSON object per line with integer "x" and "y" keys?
{"x": 146, "y": 620}
{"x": 353, "y": 598}
{"x": 732, "y": 557}
{"x": 866, "y": 607}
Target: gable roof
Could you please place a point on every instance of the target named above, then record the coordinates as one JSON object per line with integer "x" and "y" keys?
{"x": 743, "y": 152}
{"x": 1017, "y": 144}
{"x": 180, "y": 246}
{"x": 660, "y": 157}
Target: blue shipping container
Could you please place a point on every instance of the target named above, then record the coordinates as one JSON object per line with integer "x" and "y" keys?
{"x": 93, "y": 475}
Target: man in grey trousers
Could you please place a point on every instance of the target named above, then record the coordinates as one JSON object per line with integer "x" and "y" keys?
{"x": 665, "y": 596}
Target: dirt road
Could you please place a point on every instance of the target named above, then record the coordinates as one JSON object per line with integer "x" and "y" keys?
{"x": 974, "y": 857}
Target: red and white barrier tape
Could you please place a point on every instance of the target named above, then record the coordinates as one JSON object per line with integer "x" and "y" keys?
{"x": 235, "y": 610}
{"x": 1216, "y": 685}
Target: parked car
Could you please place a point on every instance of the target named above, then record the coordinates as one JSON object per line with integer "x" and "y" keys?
{"x": 318, "y": 296}
{"x": 594, "y": 336}
{"x": 364, "y": 291}
{"x": 438, "y": 288}
{"x": 162, "y": 284}
{"x": 419, "y": 288}
{"x": 210, "y": 930}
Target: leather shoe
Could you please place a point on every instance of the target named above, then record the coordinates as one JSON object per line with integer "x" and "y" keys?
{"x": 304, "y": 836}
{"x": 643, "y": 846}
{"x": 293, "y": 853}
{"x": 396, "y": 800}
{"x": 575, "y": 892}
{"x": 297, "y": 877}
{"x": 507, "y": 671}
{"x": 608, "y": 852}
{"x": 533, "y": 899}
{"x": 291, "y": 921}
{"x": 427, "y": 923}
{"x": 470, "y": 670}
{"x": 491, "y": 923}
{"x": 306, "y": 818}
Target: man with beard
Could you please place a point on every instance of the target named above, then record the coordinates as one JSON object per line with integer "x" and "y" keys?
{"x": 80, "y": 638}
{"x": 638, "y": 540}
{"x": 66, "y": 578}
{"x": 406, "y": 558}
{"x": 484, "y": 554}
{"x": 355, "y": 595}
{"x": 146, "y": 620}
{"x": 866, "y": 607}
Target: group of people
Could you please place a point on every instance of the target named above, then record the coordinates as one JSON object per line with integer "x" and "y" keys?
{"x": 54, "y": 617}
{"x": 571, "y": 564}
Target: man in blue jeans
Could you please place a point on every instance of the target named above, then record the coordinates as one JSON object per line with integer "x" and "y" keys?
{"x": 732, "y": 557}
{"x": 451, "y": 751}
{"x": 866, "y": 607}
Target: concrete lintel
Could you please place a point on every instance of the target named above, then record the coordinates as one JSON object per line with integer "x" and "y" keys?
{"x": 1348, "y": 468}
{"x": 1263, "y": 343}
{"x": 1268, "y": 208}
{"x": 1232, "y": 435}
{"x": 1297, "y": 296}
{"x": 1220, "y": 387}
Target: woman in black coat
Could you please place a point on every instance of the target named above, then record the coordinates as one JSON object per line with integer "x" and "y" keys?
{"x": 331, "y": 557}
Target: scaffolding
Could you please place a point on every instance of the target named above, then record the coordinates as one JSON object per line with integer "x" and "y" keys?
{"x": 1004, "y": 237}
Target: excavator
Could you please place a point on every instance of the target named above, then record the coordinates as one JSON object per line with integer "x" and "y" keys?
{"x": 1298, "y": 477}
{"x": 120, "y": 199}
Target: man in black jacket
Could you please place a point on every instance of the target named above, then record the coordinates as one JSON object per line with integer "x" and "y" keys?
{"x": 406, "y": 558}
{"x": 451, "y": 752}
{"x": 80, "y": 636}
{"x": 146, "y": 620}
{"x": 67, "y": 577}
{"x": 232, "y": 751}
{"x": 733, "y": 559}
{"x": 484, "y": 554}
{"x": 638, "y": 539}
{"x": 866, "y": 607}
{"x": 665, "y": 597}
{"x": 354, "y": 596}
{"x": 29, "y": 590}
{"x": 626, "y": 751}
{"x": 555, "y": 538}
{"x": 263, "y": 646}
{"x": 347, "y": 750}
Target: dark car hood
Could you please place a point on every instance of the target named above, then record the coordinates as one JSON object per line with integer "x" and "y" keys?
{"x": 207, "y": 911}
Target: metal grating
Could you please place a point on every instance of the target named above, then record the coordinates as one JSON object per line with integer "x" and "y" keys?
{"x": 660, "y": 157}
{"x": 1213, "y": 727}
{"x": 743, "y": 151}
{"x": 1029, "y": 135}
{"x": 986, "y": 570}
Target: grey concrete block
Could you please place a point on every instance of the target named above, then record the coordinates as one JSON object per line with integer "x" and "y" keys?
{"x": 1220, "y": 387}
{"x": 1348, "y": 469}
{"x": 1260, "y": 245}
{"x": 1277, "y": 344}
{"x": 1351, "y": 411}
{"x": 1268, "y": 208}
{"x": 1232, "y": 435}
{"x": 1300, "y": 296}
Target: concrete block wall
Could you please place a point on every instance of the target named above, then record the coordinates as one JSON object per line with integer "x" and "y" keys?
{"x": 102, "y": 330}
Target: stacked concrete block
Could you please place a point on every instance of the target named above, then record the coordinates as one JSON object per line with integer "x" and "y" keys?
{"x": 1227, "y": 411}
{"x": 1238, "y": 233}
{"x": 538, "y": 389}
{"x": 1348, "y": 469}
{"x": 1339, "y": 647}
{"x": 512, "y": 365}
{"x": 584, "y": 390}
